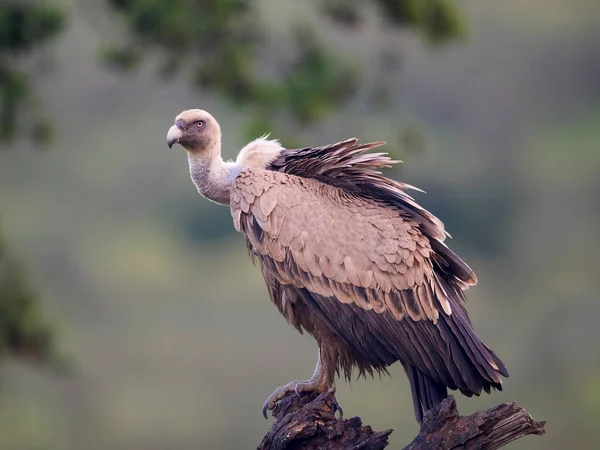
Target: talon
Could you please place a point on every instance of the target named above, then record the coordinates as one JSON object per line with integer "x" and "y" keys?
{"x": 297, "y": 387}
{"x": 337, "y": 407}
{"x": 321, "y": 381}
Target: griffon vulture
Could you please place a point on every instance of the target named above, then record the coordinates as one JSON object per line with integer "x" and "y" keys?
{"x": 349, "y": 257}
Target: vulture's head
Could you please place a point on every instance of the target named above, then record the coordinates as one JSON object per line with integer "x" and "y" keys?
{"x": 196, "y": 130}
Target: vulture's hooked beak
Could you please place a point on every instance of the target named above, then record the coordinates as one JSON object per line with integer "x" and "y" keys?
{"x": 175, "y": 133}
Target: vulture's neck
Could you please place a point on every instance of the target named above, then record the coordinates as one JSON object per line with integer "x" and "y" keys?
{"x": 212, "y": 176}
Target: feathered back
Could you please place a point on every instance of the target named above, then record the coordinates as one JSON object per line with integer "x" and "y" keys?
{"x": 347, "y": 165}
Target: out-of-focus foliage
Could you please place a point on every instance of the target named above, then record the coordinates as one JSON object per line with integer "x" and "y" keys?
{"x": 24, "y": 333}
{"x": 436, "y": 20}
{"x": 222, "y": 43}
{"x": 24, "y": 26}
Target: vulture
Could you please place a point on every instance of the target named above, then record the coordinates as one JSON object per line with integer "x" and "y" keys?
{"x": 350, "y": 258}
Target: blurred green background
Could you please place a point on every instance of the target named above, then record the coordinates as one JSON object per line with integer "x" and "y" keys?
{"x": 113, "y": 267}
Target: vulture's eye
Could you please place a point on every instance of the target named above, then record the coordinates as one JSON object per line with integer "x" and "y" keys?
{"x": 199, "y": 123}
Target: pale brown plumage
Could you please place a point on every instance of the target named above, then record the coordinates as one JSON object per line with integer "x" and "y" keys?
{"x": 349, "y": 257}
{"x": 338, "y": 241}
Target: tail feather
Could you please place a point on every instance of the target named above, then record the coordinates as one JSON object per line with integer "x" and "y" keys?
{"x": 426, "y": 393}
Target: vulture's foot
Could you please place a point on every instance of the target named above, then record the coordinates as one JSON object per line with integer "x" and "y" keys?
{"x": 321, "y": 381}
{"x": 298, "y": 387}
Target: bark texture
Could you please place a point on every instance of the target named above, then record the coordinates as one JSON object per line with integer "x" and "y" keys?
{"x": 309, "y": 422}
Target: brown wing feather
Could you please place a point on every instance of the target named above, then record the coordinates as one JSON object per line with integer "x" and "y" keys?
{"x": 347, "y": 247}
{"x": 368, "y": 270}
{"x": 346, "y": 165}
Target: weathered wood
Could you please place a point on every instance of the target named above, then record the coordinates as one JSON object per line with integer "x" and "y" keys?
{"x": 444, "y": 428}
{"x": 308, "y": 422}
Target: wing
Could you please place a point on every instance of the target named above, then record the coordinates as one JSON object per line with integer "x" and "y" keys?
{"x": 372, "y": 257}
{"x": 336, "y": 245}
{"x": 346, "y": 165}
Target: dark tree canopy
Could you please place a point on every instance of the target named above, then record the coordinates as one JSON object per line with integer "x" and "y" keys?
{"x": 220, "y": 43}
{"x": 24, "y": 27}
{"x": 24, "y": 332}
{"x": 224, "y": 46}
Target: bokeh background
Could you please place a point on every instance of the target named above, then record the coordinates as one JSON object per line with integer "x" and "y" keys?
{"x": 130, "y": 314}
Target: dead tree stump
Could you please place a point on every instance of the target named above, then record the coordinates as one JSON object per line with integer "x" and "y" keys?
{"x": 308, "y": 422}
{"x": 444, "y": 428}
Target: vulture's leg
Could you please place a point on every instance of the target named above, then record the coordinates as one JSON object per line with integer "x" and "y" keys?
{"x": 321, "y": 381}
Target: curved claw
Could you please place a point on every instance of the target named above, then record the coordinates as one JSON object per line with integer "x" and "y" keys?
{"x": 337, "y": 407}
{"x": 295, "y": 386}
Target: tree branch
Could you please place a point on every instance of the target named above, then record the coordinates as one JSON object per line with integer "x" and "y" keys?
{"x": 308, "y": 422}
{"x": 493, "y": 428}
